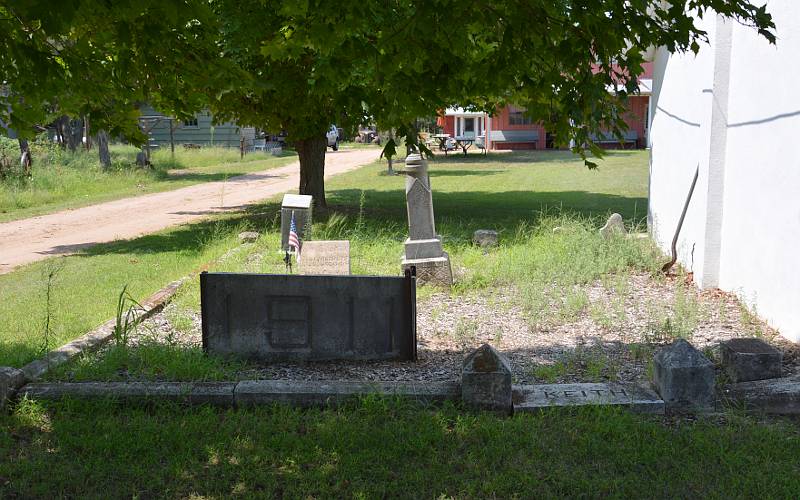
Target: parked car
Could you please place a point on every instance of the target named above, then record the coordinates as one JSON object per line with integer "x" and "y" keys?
{"x": 333, "y": 137}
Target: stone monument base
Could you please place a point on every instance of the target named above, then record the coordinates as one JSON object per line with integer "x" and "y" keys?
{"x": 434, "y": 270}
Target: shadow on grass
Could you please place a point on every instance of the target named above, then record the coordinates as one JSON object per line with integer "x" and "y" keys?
{"x": 19, "y": 352}
{"x": 507, "y": 208}
{"x": 462, "y": 173}
{"x": 455, "y": 212}
{"x": 187, "y": 237}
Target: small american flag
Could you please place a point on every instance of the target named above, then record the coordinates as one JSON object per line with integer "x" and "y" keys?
{"x": 294, "y": 240}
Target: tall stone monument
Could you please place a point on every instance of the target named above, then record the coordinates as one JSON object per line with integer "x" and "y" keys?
{"x": 423, "y": 248}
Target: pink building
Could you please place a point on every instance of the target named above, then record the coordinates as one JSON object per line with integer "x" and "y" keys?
{"x": 509, "y": 128}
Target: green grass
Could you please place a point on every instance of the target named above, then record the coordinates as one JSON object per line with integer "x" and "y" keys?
{"x": 530, "y": 256}
{"x": 382, "y": 448}
{"x": 64, "y": 180}
{"x": 376, "y": 447}
{"x": 86, "y": 286}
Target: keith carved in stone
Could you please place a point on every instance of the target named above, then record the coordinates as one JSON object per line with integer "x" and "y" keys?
{"x": 535, "y": 397}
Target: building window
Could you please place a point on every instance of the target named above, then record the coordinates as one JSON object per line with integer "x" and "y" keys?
{"x": 469, "y": 125}
{"x": 192, "y": 122}
{"x": 518, "y": 118}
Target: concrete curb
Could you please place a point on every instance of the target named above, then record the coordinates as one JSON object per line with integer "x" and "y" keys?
{"x": 247, "y": 393}
{"x": 306, "y": 394}
{"x": 775, "y": 396}
{"x": 215, "y": 393}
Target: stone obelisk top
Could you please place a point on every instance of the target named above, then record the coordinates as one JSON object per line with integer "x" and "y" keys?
{"x": 423, "y": 248}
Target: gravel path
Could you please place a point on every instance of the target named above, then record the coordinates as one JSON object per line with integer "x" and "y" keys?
{"x": 612, "y": 338}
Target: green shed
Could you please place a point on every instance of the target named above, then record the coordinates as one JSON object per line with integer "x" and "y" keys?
{"x": 200, "y": 130}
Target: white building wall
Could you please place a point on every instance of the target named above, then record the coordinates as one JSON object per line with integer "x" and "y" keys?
{"x": 761, "y": 224}
{"x": 679, "y": 143}
{"x": 758, "y": 211}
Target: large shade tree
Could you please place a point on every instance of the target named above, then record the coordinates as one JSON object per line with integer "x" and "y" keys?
{"x": 301, "y": 66}
{"x": 101, "y": 60}
{"x": 304, "y": 65}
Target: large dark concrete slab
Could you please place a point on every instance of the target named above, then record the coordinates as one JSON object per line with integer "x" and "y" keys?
{"x": 274, "y": 317}
{"x": 333, "y": 392}
{"x": 531, "y": 398}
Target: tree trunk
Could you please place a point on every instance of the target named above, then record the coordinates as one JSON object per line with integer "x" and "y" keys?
{"x": 389, "y": 158}
{"x": 102, "y": 149}
{"x": 312, "y": 168}
{"x": 75, "y": 135}
{"x": 87, "y": 136}
{"x": 61, "y": 131}
{"x": 25, "y": 159}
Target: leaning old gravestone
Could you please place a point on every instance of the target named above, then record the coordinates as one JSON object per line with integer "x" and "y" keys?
{"x": 684, "y": 378}
{"x": 484, "y": 238}
{"x": 486, "y": 380}
{"x": 423, "y": 248}
{"x": 614, "y": 225}
{"x": 325, "y": 257}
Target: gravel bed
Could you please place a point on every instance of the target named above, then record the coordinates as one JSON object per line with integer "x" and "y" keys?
{"x": 611, "y": 338}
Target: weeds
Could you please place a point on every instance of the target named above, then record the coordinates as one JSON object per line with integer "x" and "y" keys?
{"x": 127, "y": 316}
{"x": 466, "y": 332}
{"x": 51, "y": 271}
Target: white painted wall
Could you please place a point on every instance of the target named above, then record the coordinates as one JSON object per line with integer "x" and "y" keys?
{"x": 678, "y": 144}
{"x": 751, "y": 207}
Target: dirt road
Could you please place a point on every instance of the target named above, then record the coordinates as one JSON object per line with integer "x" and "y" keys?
{"x": 61, "y": 233}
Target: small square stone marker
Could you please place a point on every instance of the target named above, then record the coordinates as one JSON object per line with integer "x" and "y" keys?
{"x": 486, "y": 380}
{"x": 684, "y": 378}
{"x": 750, "y": 359}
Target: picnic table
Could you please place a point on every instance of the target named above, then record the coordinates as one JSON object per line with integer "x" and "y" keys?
{"x": 464, "y": 142}
{"x": 442, "y": 139}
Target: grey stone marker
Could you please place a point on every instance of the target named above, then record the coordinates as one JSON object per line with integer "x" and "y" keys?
{"x": 684, "y": 378}
{"x": 423, "y": 248}
{"x": 248, "y": 236}
{"x": 750, "y": 359}
{"x": 325, "y": 257}
{"x": 11, "y": 379}
{"x": 614, "y": 225}
{"x": 300, "y": 206}
{"x": 777, "y": 396}
{"x": 531, "y": 398}
{"x": 486, "y": 380}
{"x": 484, "y": 238}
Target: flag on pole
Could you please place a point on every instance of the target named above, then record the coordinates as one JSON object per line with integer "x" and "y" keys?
{"x": 294, "y": 240}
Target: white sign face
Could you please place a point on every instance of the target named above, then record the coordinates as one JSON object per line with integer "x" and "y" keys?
{"x": 325, "y": 257}
{"x": 296, "y": 201}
